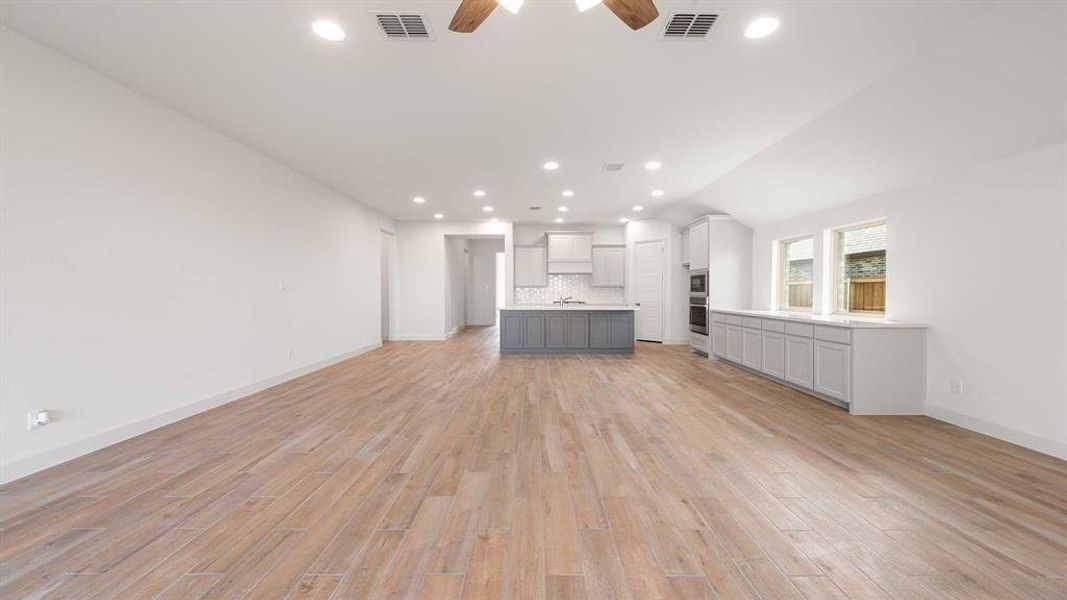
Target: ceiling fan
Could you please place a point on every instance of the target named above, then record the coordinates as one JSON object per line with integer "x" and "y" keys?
{"x": 470, "y": 14}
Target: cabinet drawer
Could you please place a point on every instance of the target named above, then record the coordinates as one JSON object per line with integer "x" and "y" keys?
{"x": 751, "y": 322}
{"x": 774, "y": 325}
{"x": 733, "y": 319}
{"x": 718, "y": 318}
{"x": 698, "y": 342}
{"x": 833, "y": 334}
{"x": 799, "y": 329}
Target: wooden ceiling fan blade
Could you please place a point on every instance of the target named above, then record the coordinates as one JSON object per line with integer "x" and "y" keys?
{"x": 635, "y": 13}
{"x": 470, "y": 15}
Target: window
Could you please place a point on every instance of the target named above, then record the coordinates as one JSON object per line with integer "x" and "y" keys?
{"x": 797, "y": 273}
{"x": 860, "y": 268}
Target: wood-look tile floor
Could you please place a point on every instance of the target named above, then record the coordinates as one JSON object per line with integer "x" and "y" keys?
{"x": 441, "y": 470}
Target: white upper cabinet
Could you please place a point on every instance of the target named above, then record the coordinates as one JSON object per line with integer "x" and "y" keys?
{"x": 685, "y": 248}
{"x": 531, "y": 270}
{"x": 609, "y": 266}
{"x": 570, "y": 252}
{"x": 698, "y": 245}
{"x": 570, "y": 246}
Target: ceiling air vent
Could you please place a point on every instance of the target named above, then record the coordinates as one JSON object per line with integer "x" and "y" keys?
{"x": 403, "y": 26}
{"x": 689, "y": 25}
{"x": 535, "y": 207}
{"x": 612, "y": 167}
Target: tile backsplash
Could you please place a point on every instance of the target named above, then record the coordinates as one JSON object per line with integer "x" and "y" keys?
{"x": 576, "y": 285}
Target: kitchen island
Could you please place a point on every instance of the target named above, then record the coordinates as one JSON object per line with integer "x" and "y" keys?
{"x": 567, "y": 329}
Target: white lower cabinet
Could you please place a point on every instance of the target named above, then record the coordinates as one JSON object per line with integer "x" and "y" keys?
{"x": 873, "y": 369}
{"x": 832, "y": 369}
{"x": 799, "y": 361}
{"x": 733, "y": 343}
{"x": 752, "y": 348}
{"x": 718, "y": 338}
{"x": 774, "y": 354}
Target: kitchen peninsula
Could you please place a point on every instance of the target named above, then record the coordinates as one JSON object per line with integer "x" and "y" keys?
{"x": 567, "y": 329}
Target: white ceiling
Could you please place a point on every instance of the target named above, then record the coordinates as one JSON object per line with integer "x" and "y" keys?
{"x": 829, "y": 109}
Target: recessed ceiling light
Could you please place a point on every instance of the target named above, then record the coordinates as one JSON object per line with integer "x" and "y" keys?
{"x": 652, "y": 165}
{"x": 562, "y": 209}
{"x": 761, "y": 27}
{"x": 479, "y": 193}
{"x": 584, "y": 5}
{"x": 487, "y": 208}
{"x": 568, "y": 193}
{"x": 512, "y": 6}
{"x": 624, "y": 220}
{"x": 551, "y": 165}
{"x": 418, "y": 199}
{"x": 657, "y": 193}
{"x": 559, "y": 219}
{"x": 328, "y": 30}
{"x": 438, "y": 216}
{"x": 639, "y": 208}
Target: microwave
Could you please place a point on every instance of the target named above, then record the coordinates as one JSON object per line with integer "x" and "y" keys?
{"x": 698, "y": 282}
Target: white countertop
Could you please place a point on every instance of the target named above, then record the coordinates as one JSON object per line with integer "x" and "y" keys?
{"x": 572, "y": 307}
{"x": 832, "y": 320}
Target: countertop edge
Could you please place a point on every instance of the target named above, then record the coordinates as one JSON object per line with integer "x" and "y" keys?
{"x": 821, "y": 320}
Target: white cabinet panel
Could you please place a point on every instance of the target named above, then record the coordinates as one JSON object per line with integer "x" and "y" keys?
{"x": 752, "y": 348}
{"x": 718, "y": 338}
{"x": 799, "y": 362}
{"x": 832, "y": 369}
{"x": 774, "y": 354}
{"x": 685, "y": 248}
{"x": 570, "y": 246}
{"x": 559, "y": 247}
{"x": 733, "y": 343}
{"x": 698, "y": 246}
{"x": 530, "y": 267}
{"x": 609, "y": 266}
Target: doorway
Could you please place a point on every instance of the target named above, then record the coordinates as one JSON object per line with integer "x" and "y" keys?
{"x": 482, "y": 282}
{"x": 648, "y": 295}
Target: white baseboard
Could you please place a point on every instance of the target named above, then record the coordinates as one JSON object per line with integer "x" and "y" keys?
{"x": 1007, "y": 434}
{"x": 55, "y": 456}
{"x": 417, "y": 337}
{"x": 454, "y": 332}
{"x": 677, "y": 342}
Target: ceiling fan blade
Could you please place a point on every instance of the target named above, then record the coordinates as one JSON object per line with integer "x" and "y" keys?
{"x": 635, "y": 13}
{"x": 470, "y": 15}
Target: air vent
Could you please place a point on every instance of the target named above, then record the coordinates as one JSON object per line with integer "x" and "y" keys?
{"x": 689, "y": 25}
{"x": 612, "y": 167}
{"x": 403, "y": 26}
{"x": 535, "y": 207}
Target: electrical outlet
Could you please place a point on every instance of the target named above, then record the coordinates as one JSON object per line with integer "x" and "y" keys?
{"x": 289, "y": 353}
{"x": 38, "y": 419}
{"x": 287, "y": 286}
{"x": 956, "y": 386}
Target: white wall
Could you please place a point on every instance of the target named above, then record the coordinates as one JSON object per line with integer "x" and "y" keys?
{"x": 421, "y": 273}
{"x": 142, "y": 257}
{"x": 455, "y": 285}
{"x": 978, "y": 255}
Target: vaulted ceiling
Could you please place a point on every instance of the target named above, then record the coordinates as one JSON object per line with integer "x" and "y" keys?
{"x": 845, "y": 100}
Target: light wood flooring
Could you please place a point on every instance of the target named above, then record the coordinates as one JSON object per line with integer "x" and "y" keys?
{"x": 441, "y": 470}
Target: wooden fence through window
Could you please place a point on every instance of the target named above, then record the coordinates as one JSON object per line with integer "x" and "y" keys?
{"x": 866, "y": 294}
{"x": 799, "y": 295}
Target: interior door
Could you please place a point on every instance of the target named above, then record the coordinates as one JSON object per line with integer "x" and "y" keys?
{"x": 481, "y": 289}
{"x": 649, "y": 290}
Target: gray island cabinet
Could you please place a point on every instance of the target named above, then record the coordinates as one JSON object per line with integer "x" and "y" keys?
{"x": 578, "y": 329}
